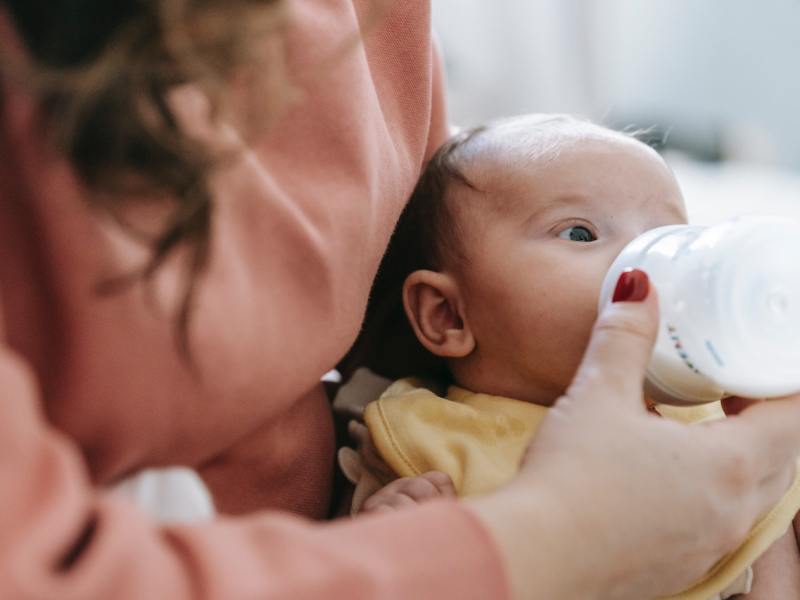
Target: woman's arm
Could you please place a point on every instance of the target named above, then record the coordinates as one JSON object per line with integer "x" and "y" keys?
{"x": 63, "y": 539}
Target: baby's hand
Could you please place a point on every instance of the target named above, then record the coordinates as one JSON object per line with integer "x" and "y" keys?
{"x": 409, "y": 491}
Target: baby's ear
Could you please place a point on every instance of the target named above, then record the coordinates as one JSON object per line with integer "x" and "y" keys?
{"x": 434, "y": 307}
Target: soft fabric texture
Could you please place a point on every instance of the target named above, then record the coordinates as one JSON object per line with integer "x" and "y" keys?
{"x": 479, "y": 440}
{"x": 94, "y": 389}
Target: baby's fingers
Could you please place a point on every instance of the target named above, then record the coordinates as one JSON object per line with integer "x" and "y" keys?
{"x": 388, "y": 503}
{"x": 423, "y": 487}
{"x": 409, "y": 491}
{"x": 442, "y": 482}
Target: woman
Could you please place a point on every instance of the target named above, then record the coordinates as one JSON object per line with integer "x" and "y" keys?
{"x": 187, "y": 241}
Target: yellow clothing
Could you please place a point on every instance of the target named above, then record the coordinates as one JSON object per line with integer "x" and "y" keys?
{"x": 479, "y": 440}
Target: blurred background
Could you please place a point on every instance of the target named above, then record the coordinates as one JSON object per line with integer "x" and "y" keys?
{"x": 717, "y": 82}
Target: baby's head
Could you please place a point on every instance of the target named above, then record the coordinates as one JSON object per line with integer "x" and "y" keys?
{"x": 506, "y": 241}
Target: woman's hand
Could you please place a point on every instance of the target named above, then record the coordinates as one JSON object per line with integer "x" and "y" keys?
{"x": 613, "y": 502}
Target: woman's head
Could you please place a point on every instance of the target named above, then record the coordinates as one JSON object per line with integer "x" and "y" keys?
{"x": 509, "y": 247}
{"x": 102, "y": 73}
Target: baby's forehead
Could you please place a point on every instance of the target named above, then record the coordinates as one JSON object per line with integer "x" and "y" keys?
{"x": 525, "y": 142}
{"x": 521, "y": 162}
{"x": 495, "y": 157}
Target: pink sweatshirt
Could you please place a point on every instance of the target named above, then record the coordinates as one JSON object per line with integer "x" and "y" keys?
{"x": 91, "y": 388}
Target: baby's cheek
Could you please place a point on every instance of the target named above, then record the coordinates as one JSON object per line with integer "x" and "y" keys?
{"x": 569, "y": 337}
{"x": 544, "y": 322}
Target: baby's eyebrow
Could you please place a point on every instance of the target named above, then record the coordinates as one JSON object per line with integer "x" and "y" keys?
{"x": 559, "y": 202}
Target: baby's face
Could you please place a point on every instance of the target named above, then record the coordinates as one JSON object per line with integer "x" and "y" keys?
{"x": 537, "y": 250}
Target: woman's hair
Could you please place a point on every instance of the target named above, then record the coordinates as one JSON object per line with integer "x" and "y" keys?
{"x": 102, "y": 70}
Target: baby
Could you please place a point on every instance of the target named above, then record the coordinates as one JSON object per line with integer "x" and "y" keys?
{"x": 497, "y": 263}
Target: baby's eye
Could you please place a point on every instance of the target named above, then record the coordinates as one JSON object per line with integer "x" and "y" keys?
{"x": 577, "y": 233}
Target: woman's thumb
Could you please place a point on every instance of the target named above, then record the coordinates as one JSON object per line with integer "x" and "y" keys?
{"x": 619, "y": 350}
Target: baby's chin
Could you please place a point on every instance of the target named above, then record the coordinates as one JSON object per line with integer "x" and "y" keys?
{"x": 503, "y": 389}
{"x": 510, "y": 385}
{"x": 536, "y": 394}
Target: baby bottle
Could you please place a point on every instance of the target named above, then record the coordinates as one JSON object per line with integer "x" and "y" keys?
{"x": 729, "y": 297}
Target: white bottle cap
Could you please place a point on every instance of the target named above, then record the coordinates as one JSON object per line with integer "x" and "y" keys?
{"x": 729, "y": 297}
{"x": 758, "y": 298}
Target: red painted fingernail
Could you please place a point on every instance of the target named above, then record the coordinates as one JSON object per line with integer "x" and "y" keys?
{"x": 632, "y": 286}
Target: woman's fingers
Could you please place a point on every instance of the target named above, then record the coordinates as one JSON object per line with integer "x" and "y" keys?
{"x": 773, "y": 488}
{"x": 615, "y": 361}
{"x": 758, "y": 448}
{"x": 733, "y": 405}
{"x": 770, "y": 431}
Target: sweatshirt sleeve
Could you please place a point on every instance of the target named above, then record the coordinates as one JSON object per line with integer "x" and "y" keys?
{"x": 440, "y": 123}
{"x": 63, "y": 539}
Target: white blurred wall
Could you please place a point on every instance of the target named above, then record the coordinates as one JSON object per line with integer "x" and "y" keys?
{"x": 511, "y": 56}
{"x": 726, "y": 70}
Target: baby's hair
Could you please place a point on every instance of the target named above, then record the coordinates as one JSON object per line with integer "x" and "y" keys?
{"x": 425, "y": 238}
{"x": 426, "y": 234}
